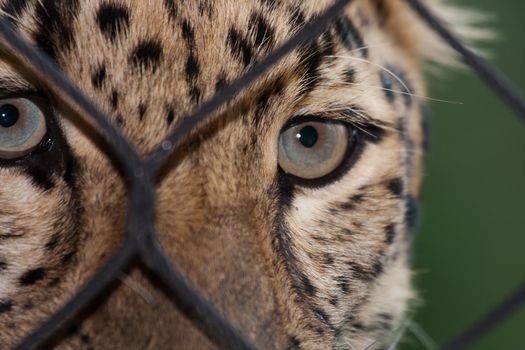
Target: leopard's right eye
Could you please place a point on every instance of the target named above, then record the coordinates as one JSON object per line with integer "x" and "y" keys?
{"x": 22, "y": 127}
{"x": 314, "y": 148}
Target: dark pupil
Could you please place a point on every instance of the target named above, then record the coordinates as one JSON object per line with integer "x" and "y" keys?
{"x": 8, "y": 115}
{"x": 308, "y": 136}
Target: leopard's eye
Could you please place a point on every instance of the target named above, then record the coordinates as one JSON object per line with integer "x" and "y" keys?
{"x": 313, "y": 149}
{"x": 22, "y": 127}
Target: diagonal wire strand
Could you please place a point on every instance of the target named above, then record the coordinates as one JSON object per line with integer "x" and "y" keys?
{"x": 490, "y": 321}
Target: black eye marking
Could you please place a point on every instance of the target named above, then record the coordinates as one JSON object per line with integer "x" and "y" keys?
{"x": 99, "y": 77}
{"x": 32, "y": 276}
{"x": 113, "y": 20}
{"x": 146, "y": 55}
{"x": 6, "y": 306}
{"x": 41, "y": 178}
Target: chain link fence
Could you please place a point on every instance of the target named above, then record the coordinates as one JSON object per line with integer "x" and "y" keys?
{"x": 141, "y": 247}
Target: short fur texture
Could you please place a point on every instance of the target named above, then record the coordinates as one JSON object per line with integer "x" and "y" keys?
{"x": 291, "y": 266}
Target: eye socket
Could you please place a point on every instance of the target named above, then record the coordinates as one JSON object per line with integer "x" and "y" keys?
{"x": 22, "y": 127}
{"x": 314, "y": 148}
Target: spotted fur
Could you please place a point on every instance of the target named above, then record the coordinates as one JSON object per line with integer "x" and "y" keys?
{"x": 291, "y": 266}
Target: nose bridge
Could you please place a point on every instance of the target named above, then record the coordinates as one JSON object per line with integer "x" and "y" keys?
{"x": 213, "y": 232}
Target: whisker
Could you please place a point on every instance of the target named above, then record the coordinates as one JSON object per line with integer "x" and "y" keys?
{"x": 422, "y": 336}
{"x": 405, "y": 93}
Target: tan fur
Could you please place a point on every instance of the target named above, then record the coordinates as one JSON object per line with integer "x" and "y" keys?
{"x": 219, "y": 201}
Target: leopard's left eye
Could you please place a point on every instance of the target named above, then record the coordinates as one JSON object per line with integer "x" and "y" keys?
{"x": 314, "y": 148}
{"x": 22, "y": 127}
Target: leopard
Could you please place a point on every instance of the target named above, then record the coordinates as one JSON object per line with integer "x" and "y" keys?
{"x": 292, "y": 210}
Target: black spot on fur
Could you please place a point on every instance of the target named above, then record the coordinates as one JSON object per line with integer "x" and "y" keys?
{"x": 308, "y": 287}
{"x": 170, "y": 116}
{"x": 6, "y": 306}
{"x": 390, "y": 233}
{"x": 264, "y": 33}
{"x": 357, "y": 198}
{"x": 146, "y": 55}
{"x": 113, "y": 19}
{"x": 221, "y": 82}
{"x": 294, "y": 343}
{"x": 192, "y": 67}
{"x": 54, "y": 31}
{"x": 328, "y": 259}
{"x": 40, "y": 178}
{"x": 28, "y": 305}
{"x": 412, "y": 213}
{"x": 114, "y": 99}
{"x": 66, "y": 258}
{"x": 119, "y": 121}
{"x": 85, "y": 338}
{"x": 347, "y": 206}
{"x": 52, "y": 243}
{"x": 3, "y": 265}
{"x": 395, "y": 186}
{"x": 349, "y": 75}
{"x": 344, "y": 284}
{"x": 98, "y": 77}
{"x": 382, "y": 11}
{"x": 334, "y": 301}
{"x": 32, "y": 276}
{"x": 54, "y": 282}
{"x": 172, "y": 8}
{"x": 188, "y": 33}
{"x": 350, "y": 35}
{"x": 141, "y": 111}
{"x": 361, "y": 272}
{"x": 239, "y": 46}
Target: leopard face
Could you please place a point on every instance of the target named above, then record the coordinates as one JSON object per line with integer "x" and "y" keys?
{"x": 291, "y": 210}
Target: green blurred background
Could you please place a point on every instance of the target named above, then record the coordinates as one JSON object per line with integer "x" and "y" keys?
{"x": 470, "y": 247}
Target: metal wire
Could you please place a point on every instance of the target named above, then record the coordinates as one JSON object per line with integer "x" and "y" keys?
{"x": 141, "y": 244}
